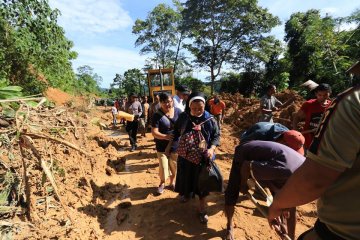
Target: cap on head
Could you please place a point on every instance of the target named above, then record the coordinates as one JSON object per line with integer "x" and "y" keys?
{"x": 294, "y": 140}
{"x": 323, "y": 87}
{"x": 310, "y": 84}
{"x": 183, "y": 89}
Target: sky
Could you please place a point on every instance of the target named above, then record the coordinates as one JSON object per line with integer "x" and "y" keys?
{"x": 102, "y": 30}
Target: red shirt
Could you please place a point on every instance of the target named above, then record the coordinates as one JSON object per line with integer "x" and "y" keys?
{"x": 313, "y": 113}
{"x": 117, "y": 105}
{"x": 216, "y": 109}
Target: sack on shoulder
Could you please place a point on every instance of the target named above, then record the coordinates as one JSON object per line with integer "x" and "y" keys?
{"x": 192, "y": 144}
{"x": 189, "y": 146}
{"x": 210, "y": 178}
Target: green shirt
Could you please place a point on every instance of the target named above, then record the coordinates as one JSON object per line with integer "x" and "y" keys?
{"x": 337, "y": 145}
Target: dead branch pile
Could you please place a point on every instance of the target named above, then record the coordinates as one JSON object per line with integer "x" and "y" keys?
{"x": 39, "y": 147}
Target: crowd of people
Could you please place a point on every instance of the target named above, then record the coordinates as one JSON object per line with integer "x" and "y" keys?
{"x": 322, "y": 161}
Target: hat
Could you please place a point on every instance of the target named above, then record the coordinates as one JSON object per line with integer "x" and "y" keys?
{"x": 183, "y": 89}
{"x": 294, "y": 140}
{"x": 310, "y": 84}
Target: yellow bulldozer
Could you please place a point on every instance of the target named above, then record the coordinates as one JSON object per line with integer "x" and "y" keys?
{"x": 161, "y": 80}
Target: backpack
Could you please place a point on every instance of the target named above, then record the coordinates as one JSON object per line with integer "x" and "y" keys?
{"x": 192, "y": 145}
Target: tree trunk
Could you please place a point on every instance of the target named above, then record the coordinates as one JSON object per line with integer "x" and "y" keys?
{"x": 212, "y": 80}
{"x": 177, "y": 52}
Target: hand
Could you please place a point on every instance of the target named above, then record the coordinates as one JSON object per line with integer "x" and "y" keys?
{"x": 275, "y": 109}
{"x": 211, "y": 152}
{"x": 275, "y": 216}
{"x": 169, "y": 137}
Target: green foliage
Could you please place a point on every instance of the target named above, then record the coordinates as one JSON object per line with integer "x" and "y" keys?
{"x": 194, "y": 84}
{"x": 87, "y": 81}
{"x": 247, "y": 83}
{"x": 34, "y": 51}
{"x": 133, "y": 81}
{"x": 159, "y": 34}
{"x": 319, "y": 50}
{"x": 226, "y": 32}
{"x": 10, "y": 92}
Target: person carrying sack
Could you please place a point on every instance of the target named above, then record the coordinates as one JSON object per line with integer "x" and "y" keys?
{"x": 198, "y": 135}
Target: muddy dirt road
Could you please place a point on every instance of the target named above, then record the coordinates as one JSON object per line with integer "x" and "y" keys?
{"x": 164, "y": 217}
{"x": 120, "y": 201}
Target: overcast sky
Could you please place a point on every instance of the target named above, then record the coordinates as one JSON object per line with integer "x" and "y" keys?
{"x": 101, "y": 30}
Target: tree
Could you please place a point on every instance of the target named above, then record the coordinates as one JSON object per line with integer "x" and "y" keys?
{"x": 225, "y": 32}
{"x": 194, "y": 84}
{"x": 277, "y": 69}
{"x": 319, "y": 49}
{"x": 34, "y": 51}
{"x": 159, "y": 34}
{"x": 87, "y": 81}
{"x": 134, "y": 82}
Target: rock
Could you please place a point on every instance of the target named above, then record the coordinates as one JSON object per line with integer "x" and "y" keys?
{"x": 4, "y": 123}
{"x": 82, "y": 182}
{"x": 66, "y": 151}
{"x": 108, "y": 171}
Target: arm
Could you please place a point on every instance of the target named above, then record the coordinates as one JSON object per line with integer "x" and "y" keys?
{"x": 139, "y": 110}
{"x": 298, "y": 117}
{"x": 215, "y": 139}
{"x": 223, "y": 112}
{"x": 287, "y": 103}
{"x": 307, "y": 183}
{"x": 158, "y": 135}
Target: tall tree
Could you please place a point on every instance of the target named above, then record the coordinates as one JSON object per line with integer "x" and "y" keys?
{"x": 159, "y": 34}
{"x": 34, "y": 51}
{"x": 134, "y": 81}
{"x": 319, "y": 49}
{"x": 87, "y": 80}
{"x": 227, "y": 31}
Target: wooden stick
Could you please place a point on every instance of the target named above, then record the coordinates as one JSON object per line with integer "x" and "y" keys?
{"x": 26, "y": 184}
{"x": 75, "y": 128}
{"x": 57, "y": 140}
{"x": 27, "y": 142}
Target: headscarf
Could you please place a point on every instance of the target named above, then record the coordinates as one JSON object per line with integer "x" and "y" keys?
{"x": 194, "y": 96}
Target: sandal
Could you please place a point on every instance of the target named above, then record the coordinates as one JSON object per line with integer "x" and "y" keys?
{"x": 229, "y": 235}
{"x": 204, "y": 218}
{"x": 160, "y": 189}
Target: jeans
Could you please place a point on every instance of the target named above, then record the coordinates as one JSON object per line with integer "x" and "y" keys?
{"x": 114, "y": 120}
{"x": 131, "y": 128}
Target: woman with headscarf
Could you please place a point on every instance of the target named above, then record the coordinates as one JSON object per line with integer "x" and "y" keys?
{"x": 195, "y": 121}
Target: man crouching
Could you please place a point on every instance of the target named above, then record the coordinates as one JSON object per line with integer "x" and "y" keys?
{"x": 271, "y": 164}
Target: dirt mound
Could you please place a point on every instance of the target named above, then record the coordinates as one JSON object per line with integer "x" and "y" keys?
{"x": 57, "y": 96}
{"x": 243, "y": 112}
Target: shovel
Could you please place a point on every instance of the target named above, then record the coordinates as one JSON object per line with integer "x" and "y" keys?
{"x": 264, "y": 210}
